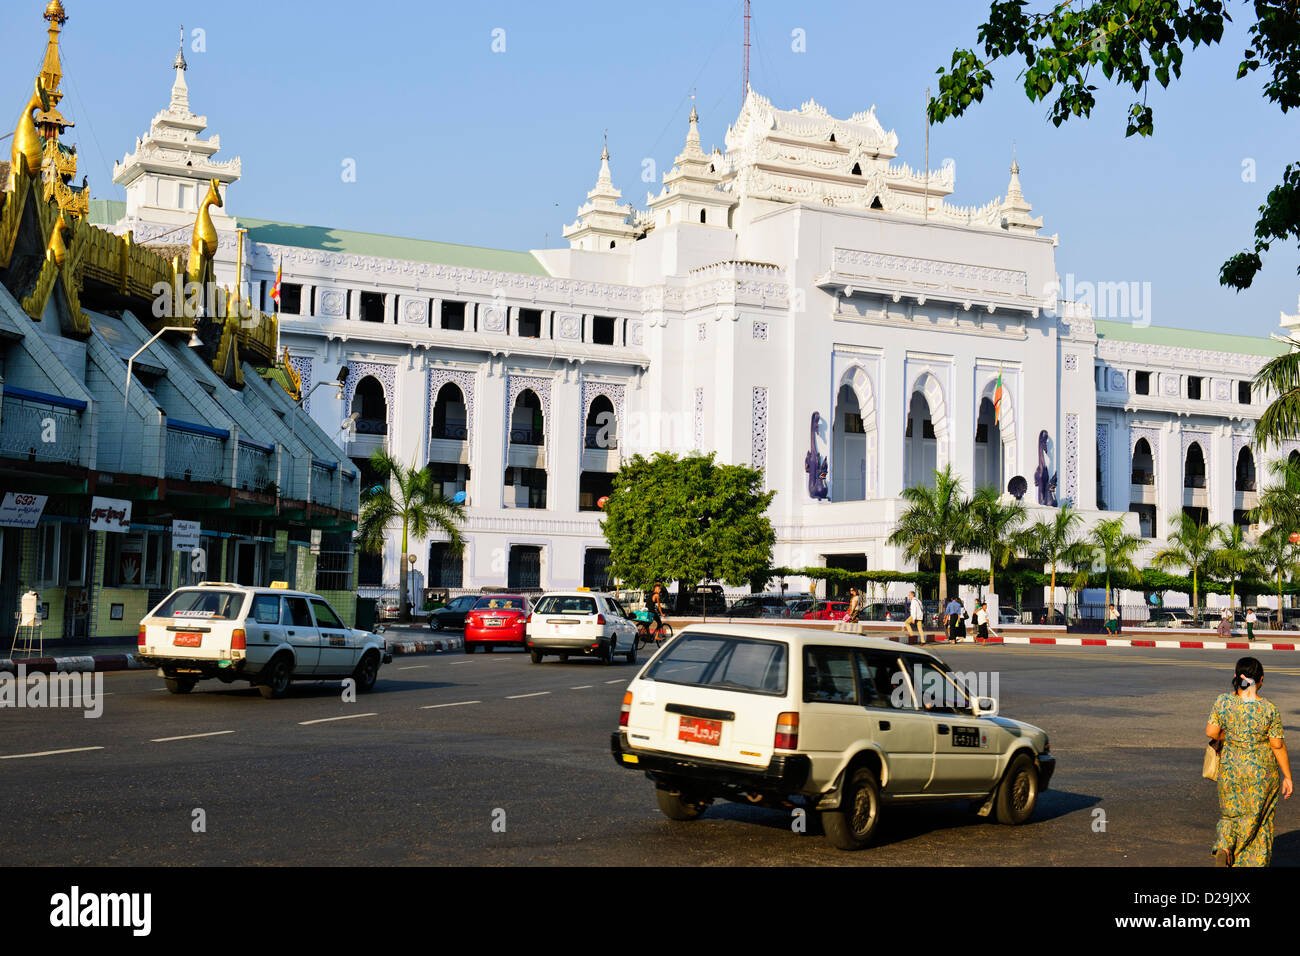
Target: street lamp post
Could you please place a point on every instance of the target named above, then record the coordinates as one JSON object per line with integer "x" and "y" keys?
{"x": 337, "y": 383}
{"x": 195, "y": 342}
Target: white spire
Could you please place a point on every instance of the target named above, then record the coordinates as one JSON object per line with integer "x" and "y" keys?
{"x": 1014, "y": 209}
{"x": 180, "y": 101}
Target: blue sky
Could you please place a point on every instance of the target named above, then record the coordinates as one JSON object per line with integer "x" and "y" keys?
{"x": 455, "y": 142}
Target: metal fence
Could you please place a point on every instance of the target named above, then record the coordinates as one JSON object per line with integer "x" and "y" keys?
{"x": 38, "y": 430}
{"x": 322, "y": 478}
{"x": 334, "y": 571}
{"x": 256, "y": 466}
{"x": 192, "y": 456}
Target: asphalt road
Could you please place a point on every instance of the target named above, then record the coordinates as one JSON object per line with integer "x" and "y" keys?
{"x": 488, "y": 759}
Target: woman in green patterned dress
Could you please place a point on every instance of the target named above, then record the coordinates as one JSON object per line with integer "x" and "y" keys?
{"x": 1253, "y": 769}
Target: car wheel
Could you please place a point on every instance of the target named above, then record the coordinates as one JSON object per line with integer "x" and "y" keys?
{"x": 564, "y": 658}
{"x": 275, "y": 680}
{"x": 435, "y": 625}
{"x": 535, "y": 656}
{"x": 852, "y": 826}
{"x": 179, "y": 685}
{"x": 367, "y": 672}
{"x": 489, "y": 648}
{"x": 469, "y": 647}
{"x": 678, "y": 806}
{"x": 1018, "y": 792}
{"x": 631, "y": 652}
{"x": 607, "y": 652}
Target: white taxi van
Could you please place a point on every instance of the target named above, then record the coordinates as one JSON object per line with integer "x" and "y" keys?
{"x": 580, "y": 622}
{"x": 837, "y": 723}
{"x": 267, "y": 636}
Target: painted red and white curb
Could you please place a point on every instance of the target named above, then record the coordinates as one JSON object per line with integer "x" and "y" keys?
{"x": 427, "y": 647}
{"x": 64, "y": 665}
{"x": 1255, "y": 645}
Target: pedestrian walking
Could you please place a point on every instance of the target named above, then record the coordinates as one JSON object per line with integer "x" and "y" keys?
{"x": 1225, "y": 623}
{"x": 1112, "y": 620}
{"x": 981, "y": 622}
{"x": 1250, "y": 624}
{"x": 855, "y": 606}
{"x": 951, "y": 617}
{"x": 915, "y": 622}
{"x": 1253, "y": 768}
{"x": 959, "y": 630}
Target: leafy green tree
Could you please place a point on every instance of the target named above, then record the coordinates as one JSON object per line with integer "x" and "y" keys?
{"x": 688, "y": 519}
{"x": 1232, "y": 560}
{"x": 409, "y": 496}
{"x": 1115, "y": 548}
{"x": 1130, "y": 43}
{"x": 1190, "y": 547}
{"x": 1279, "y": 503}
{"x": 934, "y": 523}
{"x": 1275, "y": 556}
{"x": 993, "y": 528}
{"x": 1053, "y": 542}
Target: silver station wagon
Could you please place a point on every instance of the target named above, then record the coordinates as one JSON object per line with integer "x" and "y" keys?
{"x": 841, "y": 724}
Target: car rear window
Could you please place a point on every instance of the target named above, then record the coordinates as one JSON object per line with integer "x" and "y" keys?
{"x": 728, "y": 663}
{"x": 219, "y": 605}
{"x": 499, "y": 604}
{"x": 566, "y": 604}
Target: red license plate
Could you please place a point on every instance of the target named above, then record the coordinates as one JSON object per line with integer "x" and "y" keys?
{"x": 700, "y": 731}
{"x": 187, "y": 639}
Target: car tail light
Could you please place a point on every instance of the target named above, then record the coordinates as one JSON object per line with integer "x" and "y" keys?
{"x": 140, "y": 639}
{"x": 238, "y": 640}
{"x": 787, "y": 731}
{"x": 600, "y": 619}
{"x": 528, "y": 618}
{"x": 626, "y": 710}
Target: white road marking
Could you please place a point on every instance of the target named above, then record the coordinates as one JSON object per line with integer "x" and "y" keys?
{"x": 581, "y": 687}
{"x": 215, "y": 733}
{"x": 412, "y": 667}
{"x": 540, "y": 693}
{"x": 325, "y": 720}
{"x": 459, "y": 703}
{"x": 454, "y": 663}
{"x": 623, "y": 681}
{"x": 49, "y": 753}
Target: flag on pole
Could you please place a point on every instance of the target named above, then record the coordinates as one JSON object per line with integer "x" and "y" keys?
{"x": 997, "y": 398}
{"x": 275, "y": 291}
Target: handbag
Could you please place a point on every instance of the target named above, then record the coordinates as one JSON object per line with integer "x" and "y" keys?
{"x": 1210, "y": 766}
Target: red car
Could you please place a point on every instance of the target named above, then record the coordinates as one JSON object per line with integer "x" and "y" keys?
{"x": 496, "y": 619}
{"x": 828, "y": 611}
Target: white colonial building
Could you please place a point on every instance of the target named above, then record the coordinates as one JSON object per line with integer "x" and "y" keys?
{"x": 800, "y": 301}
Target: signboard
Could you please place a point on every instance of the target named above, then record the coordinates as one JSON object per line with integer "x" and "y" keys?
{"x": 185, "y": 535}
{"x": 21, "y": 511}
{"x": 110, "y": 514}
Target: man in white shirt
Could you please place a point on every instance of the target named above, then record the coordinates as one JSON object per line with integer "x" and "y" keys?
{"x": 915, "y": 617}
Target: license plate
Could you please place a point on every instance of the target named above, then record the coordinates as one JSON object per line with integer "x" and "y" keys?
{"x": 492, "y": 622}
{"x": 187, "y": 639}
{"x": 700, "y": 731}
{"x": 566, "y": 621}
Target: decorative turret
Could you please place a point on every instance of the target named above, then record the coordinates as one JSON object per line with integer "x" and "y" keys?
{"x": 692, "y": 191}
{"x": 58, "y": 161}
{"x": 602, "y": 223}
{"x": 167, "y": 175}
{"x": 1014, "y": 210}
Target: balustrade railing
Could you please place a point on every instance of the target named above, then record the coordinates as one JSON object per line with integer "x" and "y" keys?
{"x": 196, "y": 452}
{"x": 38, "y": 427}
{"x": 256, "y": 466}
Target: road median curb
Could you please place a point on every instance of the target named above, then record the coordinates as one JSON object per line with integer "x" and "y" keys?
{"x": 58, "y": 665}
{"x": 440, "y": 646}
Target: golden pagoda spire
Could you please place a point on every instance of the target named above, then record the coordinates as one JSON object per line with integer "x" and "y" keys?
{"x": 52, "y": 69}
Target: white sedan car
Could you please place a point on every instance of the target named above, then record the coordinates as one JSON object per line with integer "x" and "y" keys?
{"x": 587, "y": 623}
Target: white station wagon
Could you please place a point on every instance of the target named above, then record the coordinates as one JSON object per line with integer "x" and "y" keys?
{"x": 586, "y": 623}
{"x": 267, "y": 636}
{"x": 837, "y": 723}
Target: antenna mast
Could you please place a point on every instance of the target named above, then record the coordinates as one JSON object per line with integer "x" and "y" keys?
{"x": 744, "y": 82}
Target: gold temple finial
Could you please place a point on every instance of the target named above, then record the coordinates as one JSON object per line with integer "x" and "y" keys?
{"x": 203, "y": 247}
{"x": 25, "y": 152}
{"x": 51, "y": 68}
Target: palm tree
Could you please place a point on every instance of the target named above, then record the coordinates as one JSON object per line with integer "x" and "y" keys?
{"x": 1115, "y": 548}
{"x": 1279, "y": 503}
{"x": 1190, "y": 547}
{"x": 1277, "y": 557}
{"x": 1050, "y": 541}
{"x": 993, "y": 527}
{"x": 1232, "y": 559}
{"x": 1280, "y": 376}
{"x": 408, "y": 495}
{"x": 934, "y": 522}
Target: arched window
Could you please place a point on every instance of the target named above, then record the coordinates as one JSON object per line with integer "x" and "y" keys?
{"x": 920, "y": 456}
{"x": 702, "y": 218}
{"x": 848, "y": 448}
{"x": 369, "y": 404}
{"x": 1245, "y": 470}
{"x": 449, "y": 420}
{"x": 856, "y": 170}
{"x": 602, "y": 425}
{"x": 988, "y": 448}
{"x": 527, "y": 426}
{"x": 1144, "y": 472}
{"x": 1194, "y": 468}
